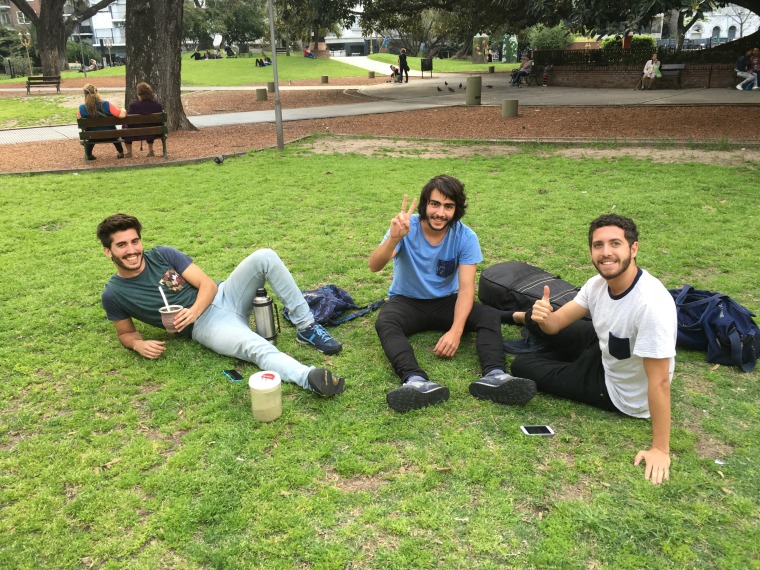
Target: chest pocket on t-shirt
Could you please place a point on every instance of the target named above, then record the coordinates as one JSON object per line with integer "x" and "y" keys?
{"x": 620, "y": 348}
{"x": 445, "y": 267}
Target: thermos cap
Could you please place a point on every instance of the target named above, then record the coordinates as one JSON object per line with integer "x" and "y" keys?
{"x": 261, "y": 292}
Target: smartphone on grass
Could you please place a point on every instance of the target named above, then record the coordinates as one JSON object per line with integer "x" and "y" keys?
{"x": 537, "y": 430}
{"x": 233, "y": 375}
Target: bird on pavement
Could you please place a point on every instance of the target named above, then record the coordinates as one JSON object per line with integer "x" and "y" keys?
{"x": 460, "y": 85}
{"x": 445, "y": 82}
{"x": 439, "y": 89}
{"x": 489, "y": 86}
{"x": 450, "y": 89}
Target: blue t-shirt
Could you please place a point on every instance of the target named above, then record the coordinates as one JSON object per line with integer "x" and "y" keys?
{"x": 424, "y": 271}
{"x": 138, "y": 297}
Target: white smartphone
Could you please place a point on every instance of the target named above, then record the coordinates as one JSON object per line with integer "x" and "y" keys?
{"x": 537, "y": 430}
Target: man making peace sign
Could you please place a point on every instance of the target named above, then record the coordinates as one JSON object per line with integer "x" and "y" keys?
{"x": 434, "y": 261}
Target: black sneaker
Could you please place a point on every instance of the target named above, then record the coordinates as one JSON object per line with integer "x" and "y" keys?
{"x": 416, "y": 394}
{"x": 324, "y": 383}
{"x": 504, "y": 389}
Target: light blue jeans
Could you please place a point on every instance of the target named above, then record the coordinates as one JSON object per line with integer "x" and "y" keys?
{"x": 224, "y": 325}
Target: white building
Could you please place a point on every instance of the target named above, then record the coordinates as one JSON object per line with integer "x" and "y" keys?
{"x": 724, "y": 25}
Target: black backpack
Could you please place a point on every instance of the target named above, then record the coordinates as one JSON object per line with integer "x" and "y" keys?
{"x": 515, "y": 286}
{"x": 716, "y": 323}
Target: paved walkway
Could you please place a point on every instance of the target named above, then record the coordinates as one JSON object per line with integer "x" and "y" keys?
{"x": 442, "y": 90}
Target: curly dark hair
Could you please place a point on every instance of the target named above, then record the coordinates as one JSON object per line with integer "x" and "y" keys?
{"x": 626, "y": 224}
{"x": 117, "y": 223}
{"x": 450, "y": 187}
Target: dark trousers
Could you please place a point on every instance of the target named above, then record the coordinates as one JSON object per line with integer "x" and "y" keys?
{"x": 88, "y": 148}
{"x": 401, "y": 317}
{"x": 570, "y": 365}
{"x": 401, "y": 73}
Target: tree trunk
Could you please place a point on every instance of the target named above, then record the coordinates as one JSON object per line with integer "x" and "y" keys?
{"x": 154, "y": 40}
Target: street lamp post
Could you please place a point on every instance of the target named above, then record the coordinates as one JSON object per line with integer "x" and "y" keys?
{"x": 108, "y": 42}
{"x": 26, "y": 41}
{"x": 277, "y": 102}
{"x": 81, "y": 47}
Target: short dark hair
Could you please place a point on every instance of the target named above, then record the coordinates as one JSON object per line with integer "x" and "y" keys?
{"x": 626, "y": 224}
{"x": 449, "y": 187}
{"x": 117, "y": 223}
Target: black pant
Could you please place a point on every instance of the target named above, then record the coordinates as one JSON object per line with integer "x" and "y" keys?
{"x": 570, "y": 366}
{"x": 401, "y": 317}
{"x": 401, "y": 72}
{"x": 88, "y": 147}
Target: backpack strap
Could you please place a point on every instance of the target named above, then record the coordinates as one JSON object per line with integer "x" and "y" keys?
{"x": 359, "y": 312}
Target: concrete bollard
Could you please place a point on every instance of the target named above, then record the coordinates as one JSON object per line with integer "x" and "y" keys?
{"x": 509, "y": 108}
{"x": 324, "y": 79}
{"x": 261, "y": 94}
{"x": 371, "y": 74}
{"x": 491, "y": 69}
{"x": 474, "y": 85}
{"x": 270, "y": 87}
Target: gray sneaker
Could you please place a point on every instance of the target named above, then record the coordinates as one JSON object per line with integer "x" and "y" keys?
{"x": 324, "y": 383}
{"x": 416, "y": 394}
{"x": 504, "y": 389}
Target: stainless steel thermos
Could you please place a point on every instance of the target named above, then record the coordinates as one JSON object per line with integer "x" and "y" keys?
{"x": 263, "y": 315}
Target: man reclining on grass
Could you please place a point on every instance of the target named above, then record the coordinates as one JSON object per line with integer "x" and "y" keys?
{"x": 623, "y": 359}
{"x": 215, "y": 316}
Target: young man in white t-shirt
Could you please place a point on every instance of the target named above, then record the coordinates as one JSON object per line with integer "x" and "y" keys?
{"x": 623, "y": 359}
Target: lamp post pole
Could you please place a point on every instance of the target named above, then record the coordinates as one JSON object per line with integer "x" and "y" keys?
{"x": 26, "y": 42}
{"x": 81, "y": 47}
{"x": 277, "y": 103}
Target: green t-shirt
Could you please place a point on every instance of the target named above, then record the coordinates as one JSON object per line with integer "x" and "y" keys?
{"x": 138, "y": 297}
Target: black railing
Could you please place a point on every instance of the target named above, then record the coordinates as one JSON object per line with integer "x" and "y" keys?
{"x": 616, "y": 55}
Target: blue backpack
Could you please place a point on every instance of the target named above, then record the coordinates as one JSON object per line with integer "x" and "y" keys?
{"x": 718, "y": 324}
{"x": 332, "y": 305}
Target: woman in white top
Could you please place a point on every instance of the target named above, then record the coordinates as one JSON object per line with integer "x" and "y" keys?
{"x": 651, "y": 70}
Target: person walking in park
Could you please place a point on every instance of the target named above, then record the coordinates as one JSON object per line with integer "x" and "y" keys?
{"x": 146, "y": 104}
{"x": 216, "y": 316}
{"x": 94, "y": 106}
{"x": 403, "y": 66}
{"x": 622, "y": 360}
{"x": 434, "y": 261}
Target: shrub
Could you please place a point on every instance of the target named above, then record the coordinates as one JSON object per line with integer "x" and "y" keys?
{"x": 544, "y": 38}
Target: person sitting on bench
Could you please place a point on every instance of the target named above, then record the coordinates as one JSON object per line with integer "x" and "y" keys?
{"x": 651, "y": 70}
{"x": 525, "y": 69}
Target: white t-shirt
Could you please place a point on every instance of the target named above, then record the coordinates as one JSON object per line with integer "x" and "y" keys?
{"x": 640, "y": 323}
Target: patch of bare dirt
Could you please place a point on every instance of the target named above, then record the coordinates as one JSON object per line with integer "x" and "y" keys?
{"x": 577, "y": 125}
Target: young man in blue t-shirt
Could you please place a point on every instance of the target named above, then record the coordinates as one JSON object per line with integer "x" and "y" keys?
{"x": 217, "y": 316}
{"x": 434, "y": 262}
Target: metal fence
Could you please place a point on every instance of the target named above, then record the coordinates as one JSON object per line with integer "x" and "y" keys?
{"x": 616, "y": 55}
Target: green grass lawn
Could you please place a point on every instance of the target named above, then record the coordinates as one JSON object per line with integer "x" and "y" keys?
{"x": 448, "y": 65}
{"x": 108, "y": 460}
{"x": 237, "y": 71}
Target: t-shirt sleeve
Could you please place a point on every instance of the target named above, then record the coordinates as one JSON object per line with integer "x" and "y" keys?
{"x": 111, "y": 109}
{"x": 471, "y": 253}
{"x": 114, "y": 311}
{"x": 582, "y": 297}
{"x": 657, "y": 324}
{"x": 174, "y": 257}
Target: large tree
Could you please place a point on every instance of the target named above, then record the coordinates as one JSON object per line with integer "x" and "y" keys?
{"x": 54, "y": 29}
{"x": 154, "y": 40}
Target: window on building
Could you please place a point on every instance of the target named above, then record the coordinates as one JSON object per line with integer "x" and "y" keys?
{"x": 732, "y": 33}
{"x": 5, "y": 18}
{"x": 716, "y": 32}
{"x": 21, "y": 19}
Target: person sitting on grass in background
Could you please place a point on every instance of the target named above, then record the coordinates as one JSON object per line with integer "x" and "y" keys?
{"x": 622, "y": 360}
{"x": 216, "y": 316}
{"x": 196, "y": 55}
{"x": 263, "y": 62}
{"x": 307, "y": 53}
{"x": 651, "y": 70}
{"x": 94, "y": 106}
{"x": 146, "y": 104}
{"x": 434, "y": 264}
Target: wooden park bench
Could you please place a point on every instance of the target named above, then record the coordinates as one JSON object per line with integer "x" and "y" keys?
{"x": 281, "y": 50}
{"x": 672, "y": 71}
{"x": 141, "y": 126}
{"x": 43, "y": 81}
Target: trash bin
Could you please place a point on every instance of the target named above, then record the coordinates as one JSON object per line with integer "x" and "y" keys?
{"x": 426, "y": 64}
